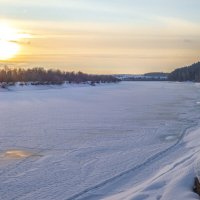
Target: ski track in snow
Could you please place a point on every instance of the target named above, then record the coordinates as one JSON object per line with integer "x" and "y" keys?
{"x": 134, "y": 169}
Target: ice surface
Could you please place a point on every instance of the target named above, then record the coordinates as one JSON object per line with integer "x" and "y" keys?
{"x": 113, "y": 141}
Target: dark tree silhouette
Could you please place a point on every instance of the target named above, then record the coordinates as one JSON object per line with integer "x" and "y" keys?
{"x": 40, "y": 76}
{"x": 189, "y": 73}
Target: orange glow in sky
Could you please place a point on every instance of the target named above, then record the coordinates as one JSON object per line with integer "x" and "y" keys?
{"x": 96, "y": 36}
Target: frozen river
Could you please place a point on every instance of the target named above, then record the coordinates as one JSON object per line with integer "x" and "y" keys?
{"x": 90, "y": 142}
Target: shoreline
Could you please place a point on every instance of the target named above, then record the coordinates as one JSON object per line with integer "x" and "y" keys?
{"x": 29, "y": 87}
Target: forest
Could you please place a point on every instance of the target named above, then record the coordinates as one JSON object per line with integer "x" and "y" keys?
{"x": 40, "y": 76}
{"x": 188, "y": 73}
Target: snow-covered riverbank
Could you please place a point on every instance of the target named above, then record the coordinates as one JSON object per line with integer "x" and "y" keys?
{"x": 173, "y": 181}
{"x": 116, "y": 141}
{"x": 30, "y": 86}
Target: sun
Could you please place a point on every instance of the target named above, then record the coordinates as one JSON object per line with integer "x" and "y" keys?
{"x": 9, "y": 38}
{"x": 8, "y": 50}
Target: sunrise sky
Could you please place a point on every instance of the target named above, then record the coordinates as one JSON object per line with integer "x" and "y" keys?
{"x": 100, "y": 36}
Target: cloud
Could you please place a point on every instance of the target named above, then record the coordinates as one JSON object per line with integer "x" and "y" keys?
{"x": 188, "y": 41}
{"x": 20, "y": 42}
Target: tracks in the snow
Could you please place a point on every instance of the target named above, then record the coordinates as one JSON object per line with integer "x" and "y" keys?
{"x": 147, "y": 162}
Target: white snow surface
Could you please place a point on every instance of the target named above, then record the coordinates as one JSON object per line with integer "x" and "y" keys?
{"x": 130, "y": 140}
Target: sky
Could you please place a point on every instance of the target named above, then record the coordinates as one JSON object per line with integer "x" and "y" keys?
{"x": 103, "y": 36}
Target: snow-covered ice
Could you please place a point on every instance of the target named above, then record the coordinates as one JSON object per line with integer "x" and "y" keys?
{"x": 131, "y": 140}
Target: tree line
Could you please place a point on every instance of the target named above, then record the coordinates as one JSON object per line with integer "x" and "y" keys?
{"x": 50, "y": 76}
{"x": 188, "y": 73}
